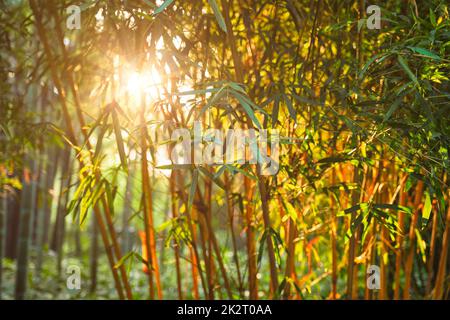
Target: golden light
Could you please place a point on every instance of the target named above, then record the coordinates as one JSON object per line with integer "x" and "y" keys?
{"x": 134, "y": 85}
{"x": 147, "y": 82}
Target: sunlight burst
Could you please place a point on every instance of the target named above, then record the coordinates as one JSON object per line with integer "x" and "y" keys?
{"x": 147, "y": 83}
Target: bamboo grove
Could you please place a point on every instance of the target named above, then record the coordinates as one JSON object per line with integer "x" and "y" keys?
{"x": 85, "y": 128}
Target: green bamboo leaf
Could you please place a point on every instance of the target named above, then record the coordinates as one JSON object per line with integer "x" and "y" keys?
{"x": 164, "y": 225}
{"x": 99, "y": 144}
{"x": 141, "y": 259}
{"x": 290, "y": 210}
{"x": 219, "y": 94}
{"x": 432, "y": 18}
{"x": 292, "y": 111}
{"x": 119, "y": 140}
{"x": 393, "y": 207}
{"x": 421, "y": 244}
{"x": 219, "y": 172}
{"x": 298, "y": 290}
{"x": 352, "y": 209}
{"x": 392, "y": 109}
{"x": 248, "y": 109}
{"x": 262, "y": 243}
{"x": 109, "y": 196}
{"x": 84, "y": 206}
{"x": 234, "y": 169}
{"x": 350, "y": 124}
{"x": 425, "y": 52}
{"x": 426, "y": 211}
{"x": 212, "y": 177}
{"x": 408, "y": 71}
{"x": 248, "y": 101}
{"x": 275, "y": 108}
{"x": 237, "y": 87}
{"x": 123, "y": 259}
{"x": 104, "y": 114}
{"x": 218, "y": 14}
{"x": 358, "y": 221}
{"x": 281, "y": 287}
{"x": 378, "y": 58}
{"x": 78, "y": 195}
{"x": 89, "y": 200}
{"x": 192, "y": 189}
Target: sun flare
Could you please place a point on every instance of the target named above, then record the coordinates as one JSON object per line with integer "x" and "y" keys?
{"x": 147, "y": 83}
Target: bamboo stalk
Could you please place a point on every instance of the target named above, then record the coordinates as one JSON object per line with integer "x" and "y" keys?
{"x": 206, "y": 259}
{"x": 220, "y": 261}
{"x": 442, "y": 270}
{"x": 62, "y": 227}
{"x": 206, "y": 215}
{"x": 62, "y": 203}
{"x": 290, "y": 262}
{"x": 399, "y": 239}
{"x": 353, "y": 241}
{"x": 431, "y": 257}
{"x": 148, "y": 211}
{"x": 70, "y": 132}
{"x": 196, "y": 269}
{"x": 230, "y": 211}
{"x": 384, "y": 256}
{"x": 333, "y": 231}
{"x": 195, "y": 258}
{"x": 267, "y": 225}
{"x": 3, "y": 214}
{"x": 127, "y": 210}
{"x": 251, "y": 245}
{"x": 412, "y": 238}
{"x": 93, "y": 257}
{"x": 251, "y": 250}
{"x": 176, "y": 246}
{"x": 28, "y": 196}
{"x": 195, "y": 263}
